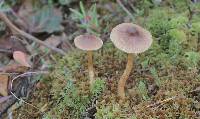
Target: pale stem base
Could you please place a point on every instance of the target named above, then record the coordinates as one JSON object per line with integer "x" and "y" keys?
{"x": 90, "y": 67}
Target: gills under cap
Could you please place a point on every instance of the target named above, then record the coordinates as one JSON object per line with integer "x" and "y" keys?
{"x": 131, "y": 38}
{"x": 88, "y": 42}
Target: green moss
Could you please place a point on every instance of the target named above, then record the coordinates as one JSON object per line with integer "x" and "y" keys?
{"x": 178, "y": 35}
{"x": 179, "y": 21}
{"x": 98, "y": 87}
{"x": 192, "y": 59}
{"x": 167, "y": 71}
{"x": 70, "y": 86}
{"x": 158, "y": 22}
{"x": 142, "y": 90}
{"x": 196, "y": 27}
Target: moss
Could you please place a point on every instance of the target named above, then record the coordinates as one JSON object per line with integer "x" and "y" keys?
{"x": 196, "y": 27}
{"x": 70, "y": 86}
{"x": 178, "y": 35}
{"x": 179, "y": 21}
{"x": 192, "y": 59}
{"x": 160, "y": 85}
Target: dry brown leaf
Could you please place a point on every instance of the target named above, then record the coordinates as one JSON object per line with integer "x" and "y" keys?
{"x": 21, "y": 58}
{"x": 40, "y": 85}
{"x": 4, "y": 98}
{"x": 14, "y": 68}
{"x": 4, "y": 85}
{"x": 7, "y": 43}
{"x": 53, "y": 41}
{"x": 4, "y": 43}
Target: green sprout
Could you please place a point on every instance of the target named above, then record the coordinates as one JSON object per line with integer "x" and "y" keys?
{"x": 88, "y": 19}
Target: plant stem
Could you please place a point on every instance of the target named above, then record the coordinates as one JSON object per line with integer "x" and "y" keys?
{"x": 126, "y": 10}
{"x": 124, "y": 77}
{"x": 90, "y": 67}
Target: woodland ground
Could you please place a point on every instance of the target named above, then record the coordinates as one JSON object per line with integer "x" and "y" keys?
{"x": 165, "y": 80}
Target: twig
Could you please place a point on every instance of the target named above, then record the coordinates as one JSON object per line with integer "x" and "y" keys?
{"x": 125, "y": 9}
{"x": 2, "y": 73}
{"x": 16, "y": 30}
{"x": 6, "y": 51}
{"x": 161, "y": 102}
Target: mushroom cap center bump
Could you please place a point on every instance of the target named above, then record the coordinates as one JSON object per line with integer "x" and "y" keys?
{"x": 131, "y": 38}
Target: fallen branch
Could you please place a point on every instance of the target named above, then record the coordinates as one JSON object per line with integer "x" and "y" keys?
{"x": 5, "y": 51}
{"x": 161, "y": 102}
{"x": 16, "y": 30}
{"x": 126, "y": 10}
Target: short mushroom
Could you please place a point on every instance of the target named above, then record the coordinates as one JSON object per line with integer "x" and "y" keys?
{"x": 89, "y": 43}
{"x": 131, "y": 39}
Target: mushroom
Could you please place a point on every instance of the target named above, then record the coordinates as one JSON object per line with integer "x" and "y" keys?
{"x": 89, "y": 43}
{"x": 131, "y": 39}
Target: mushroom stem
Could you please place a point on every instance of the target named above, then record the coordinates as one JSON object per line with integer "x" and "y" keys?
{"x": 90, "y": 67}
{"x": 124, "y": 77}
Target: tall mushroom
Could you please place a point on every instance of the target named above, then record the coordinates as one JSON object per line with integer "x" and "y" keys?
{"x": 131, "y": 39}
{"x": 89, "y": 43}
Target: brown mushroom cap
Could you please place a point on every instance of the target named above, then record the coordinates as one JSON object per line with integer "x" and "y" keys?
{"x": 88, "y": 42}
{"x": 131, "y": 38}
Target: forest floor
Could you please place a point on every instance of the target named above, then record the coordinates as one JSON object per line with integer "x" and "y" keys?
{"x": 165, "y": 80}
